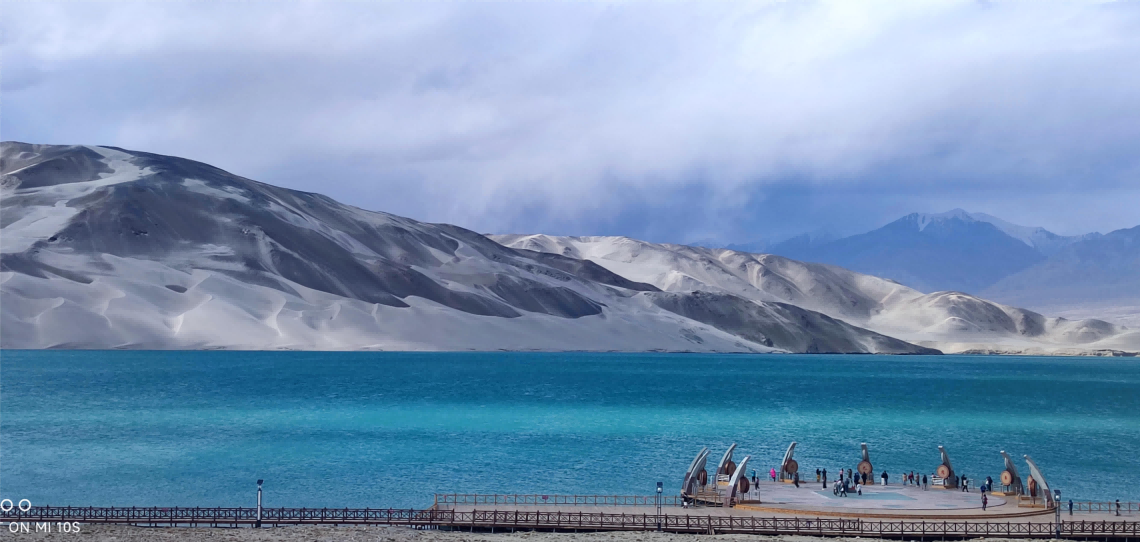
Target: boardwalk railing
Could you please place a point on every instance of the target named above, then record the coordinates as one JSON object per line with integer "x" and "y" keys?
{"x": 1109, "y": 507}
{"x": 460, "y": 499}
{"x": 578, "y": 521}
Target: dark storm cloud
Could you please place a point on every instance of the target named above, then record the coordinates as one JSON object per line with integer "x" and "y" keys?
{"x": 669, "y": 121}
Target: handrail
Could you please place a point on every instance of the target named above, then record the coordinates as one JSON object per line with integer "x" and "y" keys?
{"x": 1101, "y": 506}
{"x": 550, "y": 520}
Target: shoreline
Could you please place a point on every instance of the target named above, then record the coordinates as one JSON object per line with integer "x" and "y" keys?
{"x": 1034, "y": 353}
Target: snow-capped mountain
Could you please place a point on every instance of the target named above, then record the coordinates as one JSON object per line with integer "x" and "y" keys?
{"x": 1037, "y": 237}
{"x": 955, "y": 250}
{"x": 949, "y": 321}
{"x": 108, "y": 248}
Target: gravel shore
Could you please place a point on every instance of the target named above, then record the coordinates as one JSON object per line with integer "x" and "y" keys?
{"x": 323, "y": 533}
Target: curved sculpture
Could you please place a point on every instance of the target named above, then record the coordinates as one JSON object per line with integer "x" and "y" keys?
{"x": 692, "y": 472}
{"x": 789, "y": 466}
{"x": 724, "y": 461}
{"x": 733, "y": 483}
{"x": 946, "y": 470}
{"x": 1042, "y": 485}
{"x": 865, "y": 465}
{"x": 1013, "y": 483}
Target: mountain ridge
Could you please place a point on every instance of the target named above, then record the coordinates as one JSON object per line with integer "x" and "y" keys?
{"x": 948, "y": 320}
{"x": 953, "y": 250}
{"x": 111, "y": 248}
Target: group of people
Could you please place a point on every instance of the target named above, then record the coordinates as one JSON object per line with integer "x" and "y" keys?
{"x": 853, "y": 482}
{"x": 915, "y": 480}
{"x": 846, "y": 483}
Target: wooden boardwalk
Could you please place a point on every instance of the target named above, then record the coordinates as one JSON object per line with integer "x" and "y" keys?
{"x": 675, "y": 521}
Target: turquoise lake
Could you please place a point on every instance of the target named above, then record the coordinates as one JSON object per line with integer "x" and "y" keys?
{"x": 390, "y": 429}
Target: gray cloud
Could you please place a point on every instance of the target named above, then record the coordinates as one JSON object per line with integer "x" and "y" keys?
{"x": 669, "y": 121}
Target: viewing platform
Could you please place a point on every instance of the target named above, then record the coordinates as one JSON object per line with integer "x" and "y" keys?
{"x": 725, "y": 503}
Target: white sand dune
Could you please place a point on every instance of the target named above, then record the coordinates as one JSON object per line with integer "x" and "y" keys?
{"x": 949, "y": 321}
{"x": 108, "y": 248}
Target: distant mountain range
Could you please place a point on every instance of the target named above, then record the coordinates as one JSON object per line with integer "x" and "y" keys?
{"x": 103, "y": 247}
{"x": 1098, "y": 270}
{"x": 984, "y": 255}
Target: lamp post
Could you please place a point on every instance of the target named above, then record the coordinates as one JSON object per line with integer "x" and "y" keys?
{"x": 1057, "y": 509}
{"x": 259, "y": 503}
{"x": 658, "y": 499}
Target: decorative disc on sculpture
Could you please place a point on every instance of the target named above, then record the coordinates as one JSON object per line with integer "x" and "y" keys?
{"x": 865, "y": 467}
{"x": 943, "y": 471}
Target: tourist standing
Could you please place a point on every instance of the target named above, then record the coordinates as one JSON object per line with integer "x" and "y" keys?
{"x": 965, "y": 484}
{"x": 824, "y": 478}
{"x": 924, "y": 482}
{"x": 985, "y": 501}
{"x": 796, "y": 479}
{"x": 1070, "y": 507}
{"x": 773, "y": 474}
{"x": 816, "y": 475}
{"x": 884, "y": 477}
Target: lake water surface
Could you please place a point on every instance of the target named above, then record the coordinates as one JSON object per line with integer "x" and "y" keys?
{"x": 390, "y": 429}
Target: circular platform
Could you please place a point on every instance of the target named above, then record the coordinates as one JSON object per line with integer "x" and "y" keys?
{"x": 879, "y": 501}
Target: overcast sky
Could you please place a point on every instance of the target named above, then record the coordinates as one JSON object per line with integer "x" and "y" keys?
{"x": 664, "y": 121}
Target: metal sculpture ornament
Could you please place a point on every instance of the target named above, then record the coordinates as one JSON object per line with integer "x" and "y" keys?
{"x": 865, "y": 465}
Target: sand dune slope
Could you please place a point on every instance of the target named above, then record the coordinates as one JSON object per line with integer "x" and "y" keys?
{"x": 110, "y": 248}
{"x": 949, "y": 321}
